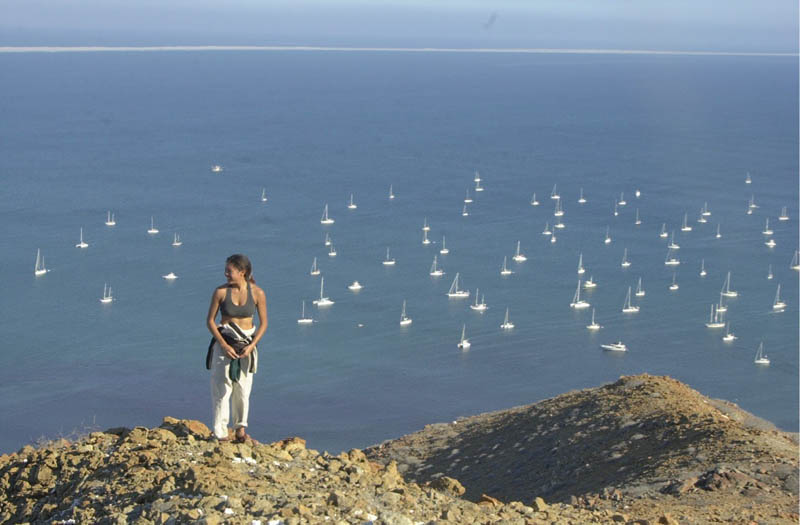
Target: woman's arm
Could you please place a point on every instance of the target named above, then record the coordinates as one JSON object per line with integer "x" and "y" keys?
{"x": 261, "y": 306}
{"x": 211, "y": 323}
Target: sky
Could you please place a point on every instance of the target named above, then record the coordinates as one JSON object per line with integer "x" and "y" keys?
{"x": 689, "y": 25}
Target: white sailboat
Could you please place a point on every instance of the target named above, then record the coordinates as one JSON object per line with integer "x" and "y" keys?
{"x": 795, "y": 264}
{"x": 749, "y": 210}
{"x": 778, "y": 305}
{"x": 726, "y": 287}
{"x": 747, "y": 179}
{"x": 454, "y": 292}
{"x": 615, "y": 347}
{"x": 607, "y": 240}
{"x": 110, "y": 221}
{"x": 685, "y": 226}
{"x": 784, "y": 216}
{"x": 767, "y": 229}
{"x": 326, "y": 219}
{"x": 639, "y": 290}
{"x": 332, "y": 251}
{"x": 534, "y": 201}
{"x": 107, "y": 297}
{"x": 637, "y": 221}
{"x": 616, "y": 209}
{"x": 216, "y": 168}
{"x": 637, "y": 193}
{"x": 467, "y": 198}
{"x": 721, "y": 306}
{"x": 477, "y": 177}
{"x": 704, "y": 211}
{"x": 752, "y": 202}
{"x": 627, "y": 307}
{"x": 593, "y": 325}
{"x": 81, "y": 243}
{"x": 663, "y": 233}
{"x": 519, "y": 257}
{"x": 702, "y": 267}
{"x": 672, "y": 244}
{"x": 444, "y": 250}
{"x": 581, "y": 199}
{"x": 170, "y": 276}
{"x": 718, "y": 235}
{"x": 176, "y": 240}
{"x": 671, "y": 260}
{"x": 728, "y": 337}
{"x": 702, "y": 218}
{"x": 391, "y": 192}
{"x": 578, "y": 303}
{"x": 560, "y": 225}
{"x": 553, "y": 238}
{"x": 589, "y": 283}
{"x": 479, "y": 306}
{"x": 351, "y": 205}
{"x": 327, "y": 239}
{"x": 581, "y": 269}
{"x": 674, "y": 286}
{"x": 464, "y": 212}
{"x": 558, "y": 211}
{"x": 625, "y": 262}
{"x": 769, "y": 273}
{"x": 425, "y": 239}
{"x": 425, "y": 226}
{"x": 388, "y": 261}
{"x": 314, "y": 268}
{"x": 355, "y": 286}
{"x": 622, "y": 201}
{"x": 435, "y": 271}
{"x": 303, "y": 319}
{"x": 263, "y": 194}
{"x": 39, "y": 268}
{"x": 547, "y": 230}
{"x": 464, "y": 342}
{"x": 153, "y": 230}
{"x": 404, "y": 319}
{"x": 504, "y": 270}
{"x": 771, "y": 243}
{"x": 554, "y": 194}
{"x": 507, "y": 324}
{"x": 322, "y": 301}
{"x": 714, "y": 318}
{"x": 760, "y": 358}
{"x": 478, "y": 186}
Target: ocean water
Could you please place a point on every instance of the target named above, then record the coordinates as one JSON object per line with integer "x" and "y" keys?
{"x": 137, "y": 133}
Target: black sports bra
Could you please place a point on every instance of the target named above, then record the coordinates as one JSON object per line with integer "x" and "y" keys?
{"x": 248, "y": 309}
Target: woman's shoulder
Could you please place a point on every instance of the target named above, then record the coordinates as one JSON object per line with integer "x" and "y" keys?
{"x": 257, "y": 290}
{"x": 221, "y": 289}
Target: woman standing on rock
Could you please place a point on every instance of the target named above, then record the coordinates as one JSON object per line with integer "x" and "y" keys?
{"x": 232, "y": 355}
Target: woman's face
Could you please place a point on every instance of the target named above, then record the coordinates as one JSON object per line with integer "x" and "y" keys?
{"x": 233, "y": 274}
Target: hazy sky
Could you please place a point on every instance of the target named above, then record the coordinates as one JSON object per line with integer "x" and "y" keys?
{"x": 727, "y": 25}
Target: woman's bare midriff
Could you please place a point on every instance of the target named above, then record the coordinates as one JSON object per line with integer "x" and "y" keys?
{"x": 246, "y": 323}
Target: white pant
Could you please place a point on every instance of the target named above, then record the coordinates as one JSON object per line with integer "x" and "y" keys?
{"x": 224, "y": 390}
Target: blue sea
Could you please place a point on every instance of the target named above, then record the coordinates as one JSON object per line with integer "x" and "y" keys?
{"x": 137, "y": 134}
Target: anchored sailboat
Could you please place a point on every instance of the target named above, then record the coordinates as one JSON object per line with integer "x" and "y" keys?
{"x": 176, "y": 240}
{"x": 534, "y": 202}
{"x": 504, "y": 270}
{"x": 107, "y": 297}
{"x": 702, "y": 267}
{"x": 784, "y": 216}
{"x": 303, "y": 319}
{"x": 39, "y": 268}
{"x": 581, "y": 269}
{"x": 671, "y": 260}
{"x": 685, "y": 227}
{"x": 479, "y": 306}
{"x": 507, "y": 325}
{"x": 325, "y": 218}
{"x": 351, "y": 205}
{"x": 81, "y": 243}
{"x": 627, "y": 307}
{"x": 519, "y": 257}
{"x": 761, "y": 359}
{"x": 674, "y": 286}
{"x": 728, "y": 337}
{"x": 578, "y": 303}
{"x": 314, "y": 268}
{"x": 625, "y": 262}
{"x": 593, "y": 325}
{"x": 263, "y": 194}
{"x": 607, "y": 240}
{"x": 454, "y": 292}
{"x": 581, "y": 199}
{"x": 404, "y": 319}
{"x": 714, "y": 318}
{"x": 444, "y": 250}
{"x": 435, "y": 271}
{"x": 663, "y": 233}
{"x": 795, "y": 264}
{"x": 388, "y": 261}
{"x": 464, "y": 342}
{"x": 322, "y": 301}
{"x": 778, "y": 305}
{"x": 726, "y": 287}
{"x": 153, "y": 230}
{"x": 110, "y": 221}
{"x": 639, "y": 290}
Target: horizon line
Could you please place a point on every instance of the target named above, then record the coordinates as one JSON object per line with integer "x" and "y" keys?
{"x": 573, "y": 51}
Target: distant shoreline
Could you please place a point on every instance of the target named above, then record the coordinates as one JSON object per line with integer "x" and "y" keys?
{"x": 85, "y": 49}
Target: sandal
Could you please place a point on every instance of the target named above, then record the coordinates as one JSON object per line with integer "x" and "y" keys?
{"x": 241, "y": 439}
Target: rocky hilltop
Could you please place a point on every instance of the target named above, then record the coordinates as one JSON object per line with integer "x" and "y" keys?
{"x": 642, "y": 450}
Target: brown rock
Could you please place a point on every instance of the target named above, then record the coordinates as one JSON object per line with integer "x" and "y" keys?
{"x": 667, "y": 519}
{"x": 448, "y": 485}
{"x": 539, "y": 505}
{"x": 186, "y": 427}
{"x": 488, "y": 500}
{"x": 292, "y": 444}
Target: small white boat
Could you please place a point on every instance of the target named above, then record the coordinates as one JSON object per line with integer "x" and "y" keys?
{"x": 553, "y": 239}
{"x": 425, "y": 239}
{"x": 728, "y": 337}
{"x": 769, "y": 273}
{"x": 718, "y": 235}
{"x": 170, "y": 276}
{"x": 263, "y": 194}
{"x": 534, "y": 202}
{"x": 578, "y": 303}
{"x": 593, "y": 325}
{"x": 391, "y": 193}
{"x": 607, "y": 240}
{"x": 627, "y": 307}
{"x": 767, "y": 229}
{"x": 107, "y": 297}
{"x": 176, "y": 240}
{"x": 714, "y": 318}
{"x": 685, "y": 226}
{"x": 771, "y": 243}
{"x": 721, "y": 306}
{"x": 547, "y": 230}
{"x": 425, "y": 226}
{"x": 581, "y": 269}
{"x": 581, "y": 199}
{"x": 332, "y": 251}
{"x": 625, "y": 262}
{"x": 477, "y": 177}
{"x": 153, "y": 230}
{"x": 615, "y": 347}
{"x": 303, "y": 319}
{"x": 464, "y": 212}
{"x": 637, "y": 221}
{"x": 702, "y": 218}
{"x": 761, "y": 358}
{"x": 355, "y": 286}
{"x": 616, "y": 209}
{"x": 704, "y": 211}
{"x": 749, "y": 211}
{"x": 702, "y": 267}
{"x": 795, "y": 264}
{"x": 464, "y": 342}
{"x": 478, "y": 186}
{"x": 519, "y": 257}
{"x": 404, "y": 319}
{"x": 638, "y": 194}
{"x": 639, "y": 290}
{"x": 216, "y": 168}
{"x": 558, "y": 211}
{"x": 507, "y": 324}
{"x": 589, "y": 283}
{"x": 622, "y": 201}
{"x": 351, "y": 205}
{"x": 752, "y": 202}
{"x": 554, "y": 194}
{"x": 747, "y": 179}
{"x": 784, "y": 216}
{"x": 388, "y": 261}
{"x": 326, "y": 219}
{"x": 314, "y": 268}
{"x": 454, "y": 292}
{"x": 435, "y": 270}
{"x": 327, "y": 239}
{"x": 504, "y": 270}
{"x": 672, "y": 244}
{"x": 110, "y": 221}
{"x": 674, "y": 286}
{"x": 663, "y": 233}
{"x": 778, "y": 305}
{"x": 479, "y": 306}
{"x": 559, "y": 225}
{"x": 81, "y": 243}
{"x": 467, "y": 198}
{"x": 444, "y": 250}
{"x": 322, "y": 301}
{"x": 671, "y": 260}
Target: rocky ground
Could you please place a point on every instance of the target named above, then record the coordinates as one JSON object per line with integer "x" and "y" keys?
{"x": 642, "y": 450}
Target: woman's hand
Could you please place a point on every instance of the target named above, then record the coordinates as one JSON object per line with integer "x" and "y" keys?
{"x": 247, "y": 350}
{"x": 230, "y": 352}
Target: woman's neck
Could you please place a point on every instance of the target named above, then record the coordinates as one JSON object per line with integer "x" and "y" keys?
{"x": 239, "y": 284}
